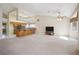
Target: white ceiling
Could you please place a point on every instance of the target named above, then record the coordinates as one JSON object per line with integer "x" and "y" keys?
{"x": 66, "y": 9}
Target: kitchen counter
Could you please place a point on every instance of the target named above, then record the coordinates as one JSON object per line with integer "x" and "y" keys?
{"x": 25, "y": 32}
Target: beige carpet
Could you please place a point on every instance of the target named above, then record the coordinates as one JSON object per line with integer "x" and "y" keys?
{"x": 37, "y": 45}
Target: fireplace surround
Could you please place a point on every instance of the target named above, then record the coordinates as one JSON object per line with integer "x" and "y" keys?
{"x": 49, "y": 30}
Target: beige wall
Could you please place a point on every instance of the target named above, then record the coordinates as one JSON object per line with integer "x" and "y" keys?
{"x": 61, "y": 27}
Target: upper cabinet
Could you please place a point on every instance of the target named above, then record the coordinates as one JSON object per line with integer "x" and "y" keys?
{"x": 75, "y": 14}
{"x": 74, "y": 17}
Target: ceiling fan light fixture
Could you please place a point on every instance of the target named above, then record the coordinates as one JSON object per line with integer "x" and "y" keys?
{"x": 59, "y": 17}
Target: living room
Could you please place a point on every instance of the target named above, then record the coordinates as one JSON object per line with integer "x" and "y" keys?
{"x": 51, "y": 25}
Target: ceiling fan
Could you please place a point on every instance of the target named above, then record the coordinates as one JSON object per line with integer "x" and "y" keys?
{"x": 59, "y": 16}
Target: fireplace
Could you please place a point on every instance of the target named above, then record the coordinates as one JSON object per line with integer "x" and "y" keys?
{"x": 49, "y": 30}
